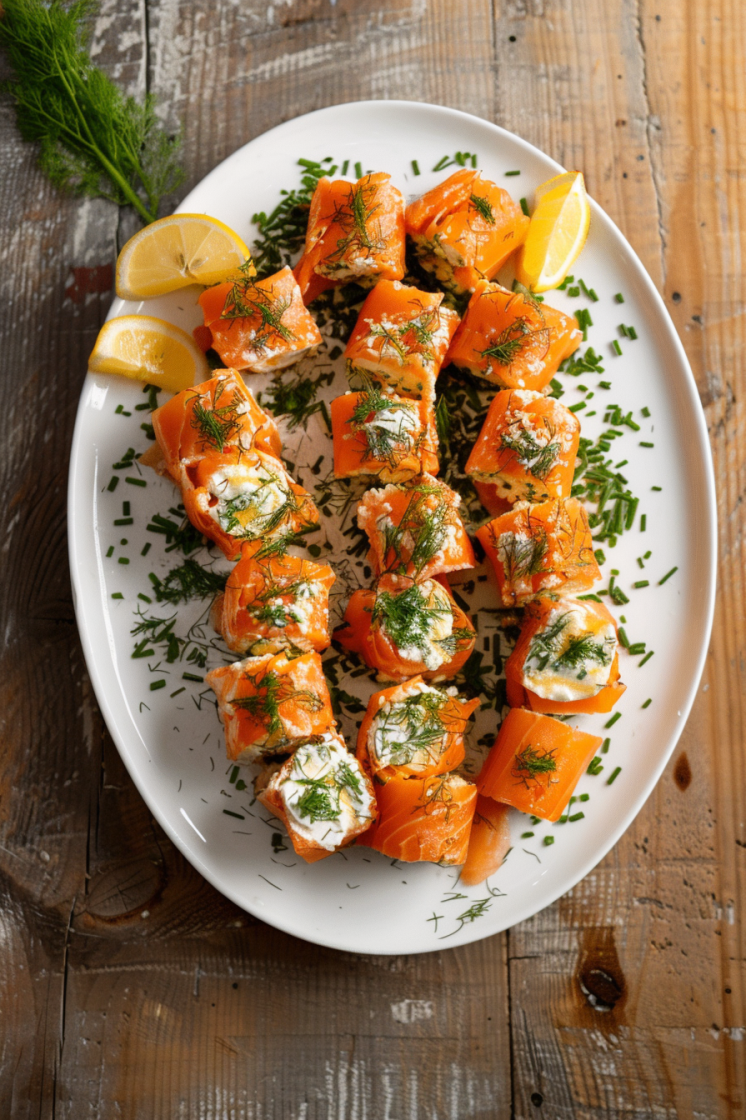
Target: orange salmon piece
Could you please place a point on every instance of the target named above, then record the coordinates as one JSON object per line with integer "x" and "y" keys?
{"x": 415, "y": 530}
{"x": 566, "y": 659}
{"x": 274, "y": 601}
{"x": 540, "y": 548}
{"x": 355, "y": 232}
{"x": 405, "y": 629}
{"x": 423, "y": 819}
{"x": 323, "y": 797}
{"x": 413, "y": 730}
{"x": 268, "y": 705}
{"x": 235, "y": 497}
{"x": 401, "y": 338}
{"x": 527, "y": 447}
{"x": 489, "y": 841}
{"x": 465, "y": 229}
{"x": 490, "y": 498}
{"x": 511, "y": 340}
{"x": 260, "y": 325}
{"x": 213, "y": 416}
{"x": 535, "y": 763}
{"x": 382, "y": 435}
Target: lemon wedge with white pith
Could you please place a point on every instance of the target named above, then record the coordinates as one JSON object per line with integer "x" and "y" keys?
{"x": 557, "y": 233}
{"x": 150, "y": 350}
{"x": 173, "y": 252}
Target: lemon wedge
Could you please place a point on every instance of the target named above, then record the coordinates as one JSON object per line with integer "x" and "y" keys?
{"x": 149, "y": 350}
{"x": 557, "y": 233}
{"x": 174, "y": 252}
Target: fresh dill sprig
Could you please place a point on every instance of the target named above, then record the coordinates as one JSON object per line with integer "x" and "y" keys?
{"x": 482, "y": 205}
{"x": 581, "y": 649}
{"x": 537, "y": 458}
{"x": 94, "y": 141}
{"x": 521, "y": 555}
{"x": 530, "y": 763}
{"x": 407, "y": 617}
{"x": 295, "y": 398}
{"x": 189, "y": 580}
{"x": 283, "y": 231}
{"x": 513, "y": 341}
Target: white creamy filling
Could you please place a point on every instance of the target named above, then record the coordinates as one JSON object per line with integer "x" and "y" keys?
{"x": 324, "y": 794}
{"x": 395, "y": 725}
{"x": 426, "y": 645}
{"x": 555, "y": 667}
{"x": 399, "y": 421}
{"x": 245, "y": 492}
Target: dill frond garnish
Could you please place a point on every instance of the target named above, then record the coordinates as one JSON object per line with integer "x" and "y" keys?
{"x": 355, "y": 217}
{"x": 530, "y": 763}
{"x": 407, "y": 617}
{"x": 94, "y": 141}
{"x": 423, "y": 524}
{"x": 419, "y": 720}
{"x": 581, "y": 649}
{"x": 188, "y": 581}
{"x": 321, "y": 799}
{"x": 537, "y": 458}
{"x": 514, "y": 339}
{"x": 522, "y": 555}
{"x": 295, "y": 398}
{"x": 482, "y": 205}
{"x": 273, "y": 690}
{"x": 246, "y": 300}
{"x": 216, "y": 424}
{"x": 282, "y": 233}
{"x": 388, "y": 425}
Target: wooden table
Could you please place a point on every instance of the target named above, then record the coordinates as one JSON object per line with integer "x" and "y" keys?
{"x": 129, "y": 987}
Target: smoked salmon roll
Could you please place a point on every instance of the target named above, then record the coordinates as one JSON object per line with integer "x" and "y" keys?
{"x": 355, "y": 232}
{"x": 322, "y": 796}
{"x": 235, "y": 497}
{"x": 566, "y": 659}
{"x": 413, "y": 730}
{"x": 489, "y": 841}
{"x": 535, "y": 763}
{"x": 274, "y": 601}
{"x": 540, "y": 548}
{"x": 405, "y": 629}
{"x": 465, "y": 229}
{"x": 423, "y": 819}
{"x": 527, "y": 447}
{"x": 415, "y": 530}
{"x": 401, "y": 338}
{"x": 489, "y": 496}
{"x": 382, "y": 435}
{"x": 218, "y": 414}
{"x": 260, "y": 325}
{"x": 511, "y": 339}
{"x": 269, "y": 705}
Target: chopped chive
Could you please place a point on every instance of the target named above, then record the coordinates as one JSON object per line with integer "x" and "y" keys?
{"x": 240, "y": 784}
{"x": 113, "y": 483}
{"x": 647, "y": 703}
{"x": 592, "y": 295}
{"x": 595, "y": 598}
{"x": 126, "y": 509}
{"x": 442, "y": 162}
{"x": 509, "y": 173}
{"x": 229, "y": 812}
{"x": 474, "y": 160}
{"x": 619, "y": 297}
{"x": 110, "y": 550}
{"x": 658, "y": 488}
{"x": 557, "y": 390}
{"x": 616, "y": 347}
{"x": 415, "y": 167}
{"x": 119, "y": 409}
{"x": 524, "y": 207}
{"x": 583, "y": 287}
{"x": 145, "y": 598}
{"x": 604, "y": 384}
{"x": 548, "y": 840}
{"x": 117, "y": 595}
{"x": 613, "y": 776}
{"x": 595, "y": 766}
{"x": 576, "y": 816}
{"x": 668, "y": 575}
{"x": 600, "y": 556}
{"x": 605, "y": 746}
{"x": 643, "y": 522}
{"x": 637, "y": 647}
{"x": 135, "y": 481}
{"x": 191, "y": 677}
{"x": 647, "y": 555}
{"x": 640, "y": 561}
{"x": 623, "y": 637}
{"x": 647, "y": 657}
{"x": 527, "y": 835}
{"x": 146, "y": 549}
{"x": 155, "y": 685}
{"x": 646, "y": 444}
{"x": 358, "y": 170}
{"x": 178, "y": 690}
{"x": 568, "y": 280}
{"x": 343, "y": 168}
{"x": 622, "y": 329}
{"x": 584, "y": 797}
{"x": 123, "y": 560}
{"x": 577, "y": 407}
{"x": 645, "y": 412}
{"x": 124, "y": 521}
{"x": 641, "y": 583}
{"x": 573, "y": 292}
{"x": 612, "y": 720}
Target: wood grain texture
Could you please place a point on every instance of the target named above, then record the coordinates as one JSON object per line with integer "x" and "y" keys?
{"x": 128, "y": 986}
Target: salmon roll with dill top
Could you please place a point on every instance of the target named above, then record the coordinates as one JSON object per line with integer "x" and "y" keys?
{"x": 424, "y": 819}
{"x": 415, "y": 530}
{"x": 268, "y": 705}
{"x": 260, "y": 325}
{"x": 527, "y": 447}
{"x": 382, "y": 435}
{"x": 323, "y": 797}
{"x": 511, "y": 339}
{"x": 355, "y": 232}
{"x": 465, "y": 229}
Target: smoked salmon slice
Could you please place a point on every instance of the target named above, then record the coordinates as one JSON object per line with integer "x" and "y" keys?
{"x": 323, "y": 797}
{"x": 423, "y": 819}
{"x": 490, "y": 497}
{"x": 268, "y": 705}
{"x": 355, "y": 232}
{"x": 489, "y": 841}
{"x": 235, "y": 497}
{"x": 413, "y": 730}
{"x": 540, "y": 548}
{"x": 401, "y": 338}
{"x": 566, "y": 659}
{"x": 274, "y": 601}
{"x": 382, "y": 435}
{"x": 465, "y": 229}
{"x": 535, "y": 763}
{"x": 260, "y": 325}
{"x": 405, "y": 629}
{"x": 527, "y": 447}
{"x": 213, "y": 416}
{"x": 512, "y": 340}
{"x": 415, "y": 530}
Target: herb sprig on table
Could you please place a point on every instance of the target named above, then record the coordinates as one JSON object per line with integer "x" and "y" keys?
{"x": 94, "y": 140}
